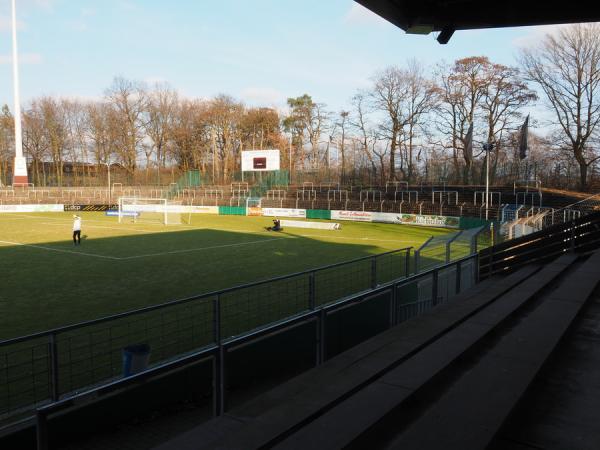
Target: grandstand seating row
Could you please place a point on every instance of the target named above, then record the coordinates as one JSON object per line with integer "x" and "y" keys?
{"x": 431, "y": 200}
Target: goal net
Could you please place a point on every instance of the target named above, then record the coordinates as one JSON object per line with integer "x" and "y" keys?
{"x": 152, "y": 210}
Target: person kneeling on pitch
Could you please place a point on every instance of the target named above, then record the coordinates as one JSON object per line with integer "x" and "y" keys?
{"x": 276, "y": 225}
{"x": 76, "y": 230}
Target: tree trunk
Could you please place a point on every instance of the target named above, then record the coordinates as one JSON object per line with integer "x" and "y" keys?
{"x": 583, "y": 167}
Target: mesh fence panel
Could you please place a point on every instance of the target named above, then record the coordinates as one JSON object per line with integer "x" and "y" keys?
{"x": 94, "y": 354}
{"x": 251, "y": 307}
{"x": 392, "y": 266}
{"x": 24, "y": 375}
{"x": 91, "y": 353}
{"x": 414, "y": 298}
{"x": 337, "y": 282}
{"x": 433, "y": 253}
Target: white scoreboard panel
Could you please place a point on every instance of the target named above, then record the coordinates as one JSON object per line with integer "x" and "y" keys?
{"x": 260, "y": 160}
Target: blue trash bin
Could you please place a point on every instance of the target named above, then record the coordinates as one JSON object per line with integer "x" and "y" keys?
{"x": 135, "y": 359}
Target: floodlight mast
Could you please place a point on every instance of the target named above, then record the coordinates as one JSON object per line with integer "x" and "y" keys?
{"x": 20, "y": 166}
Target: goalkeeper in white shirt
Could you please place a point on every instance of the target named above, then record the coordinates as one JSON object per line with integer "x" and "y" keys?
{"x": 76, "y": 230}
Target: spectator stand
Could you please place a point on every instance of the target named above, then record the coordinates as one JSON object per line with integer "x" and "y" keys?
{"x": 445, "y": 195}
{"x": 534, "y": 185}
{"x": 397, "y": 185}
{"x": 410, "y": 196}
{"x": 277, "y": 194}
{"x": 328, "y": 186}
{"x": 493, "y": 195}
{"x": 529, "y": 198}
{"x": 511, "y": 212}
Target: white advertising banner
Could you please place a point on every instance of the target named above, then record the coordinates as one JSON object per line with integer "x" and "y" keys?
{"x": 315, "y": 225}
{"x": 31, "y": 208}
{"x": 260, "y": 160}
{"x": 357, "y": 216}
{"x": 416, "y": 219}
{"x": 386, "y": 217}
{"x": 284, "y": 212}
{"x": 406, "y": 219}
{"x": 203, "y": 209}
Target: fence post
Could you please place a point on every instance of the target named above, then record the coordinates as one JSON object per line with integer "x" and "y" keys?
{"x": 53, "y": 350}
{"x": 311, "y": 291}
{"x": 393, "y": 305}
{"x": 434, "y": 287}
{"x": 417, "y": 260}
{"x": 321, "y": 318}
{"x": 458, "y": 276}
{"x": 373, "y": 272}
{"x": 407, "y": 264}
{"x": 41, "y": 430}
{"x": 218, "y": 362}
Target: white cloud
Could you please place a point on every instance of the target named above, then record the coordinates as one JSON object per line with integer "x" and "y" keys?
{"x": 532, "y": 36}
{"x": 359, "y": 15}
{"x": 24, "y": 58}
{"x": 263, "y": 96}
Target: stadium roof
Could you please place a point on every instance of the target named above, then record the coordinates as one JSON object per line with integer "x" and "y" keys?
{"x": 447, "y": 16}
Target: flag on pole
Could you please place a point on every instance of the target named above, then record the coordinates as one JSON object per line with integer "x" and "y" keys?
{"x": 469, "y": 142}
{"x": 523, "y": 139}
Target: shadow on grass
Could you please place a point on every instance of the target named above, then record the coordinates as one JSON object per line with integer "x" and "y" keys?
{"x": 55, "y": 284}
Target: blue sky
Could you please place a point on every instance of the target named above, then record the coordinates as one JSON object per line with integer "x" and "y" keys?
{"x": 259, "y": 51}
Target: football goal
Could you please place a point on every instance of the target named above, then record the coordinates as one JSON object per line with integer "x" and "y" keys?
{"x": 149, "y": 210}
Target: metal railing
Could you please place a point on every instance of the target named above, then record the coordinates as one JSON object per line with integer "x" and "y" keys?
{"x": 581, "y": 234}
{"x": 45, "y": 367}
{"x": 402, "y": 300}
{"x": 442, "y": 249}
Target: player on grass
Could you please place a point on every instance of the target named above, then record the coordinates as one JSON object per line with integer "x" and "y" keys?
{"x": 76, "y": 230}
{"x": 276, "y": 225}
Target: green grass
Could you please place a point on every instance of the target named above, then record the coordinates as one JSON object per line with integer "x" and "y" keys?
{"x": 119, "y": 267}
{"x": 48, "y": 283}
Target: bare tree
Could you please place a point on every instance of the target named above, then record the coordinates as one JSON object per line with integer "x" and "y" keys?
{"x": 404, "y": 96}
{"x": 6, "y": 141}
{"x": 128, "y": 100}
{"x": 389, "y": 94}
{"x": 460, "y": 89}
{"x": 505, "y": 93}
{"x": 307, "y": 121}
{"x": 161, "y": 107}
{"x": 421, "y": 100}
{"x": 366, "y": 134}
{"x": 342, "y": 125}
{"x": 567, "y": 69}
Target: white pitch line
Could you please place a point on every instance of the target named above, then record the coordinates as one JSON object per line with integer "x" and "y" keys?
{"x": 353, "y": 239}
{"x": 41, "y": 247}
{"x": 189, "y": 250}
{"x": 132, "y": 230}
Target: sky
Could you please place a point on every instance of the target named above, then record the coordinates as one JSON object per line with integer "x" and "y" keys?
{"x": 258, "y": 51}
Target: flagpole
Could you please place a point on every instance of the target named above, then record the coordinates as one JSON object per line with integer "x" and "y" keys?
{"x": 20, "y": 166}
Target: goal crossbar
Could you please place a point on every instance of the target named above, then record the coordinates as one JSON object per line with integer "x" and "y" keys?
{"x": 145, "y": 209}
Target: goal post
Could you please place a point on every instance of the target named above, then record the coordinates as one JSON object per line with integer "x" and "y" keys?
{"x": 149, "y": 210}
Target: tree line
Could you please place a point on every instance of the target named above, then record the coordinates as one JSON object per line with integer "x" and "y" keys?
{"x": 413, "y": 123}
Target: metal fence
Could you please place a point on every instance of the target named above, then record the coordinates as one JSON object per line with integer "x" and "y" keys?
{"x": 397, "y": 301}
{"x": 45, "y": 367}
{"x": 442, "y": 249}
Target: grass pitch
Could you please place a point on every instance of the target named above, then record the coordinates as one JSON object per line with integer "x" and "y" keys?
{"x": 47, "y": 282}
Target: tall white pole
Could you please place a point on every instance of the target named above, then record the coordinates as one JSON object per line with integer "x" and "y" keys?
{"x": 20, "y": 166}
{"x": 290, "y": 175}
